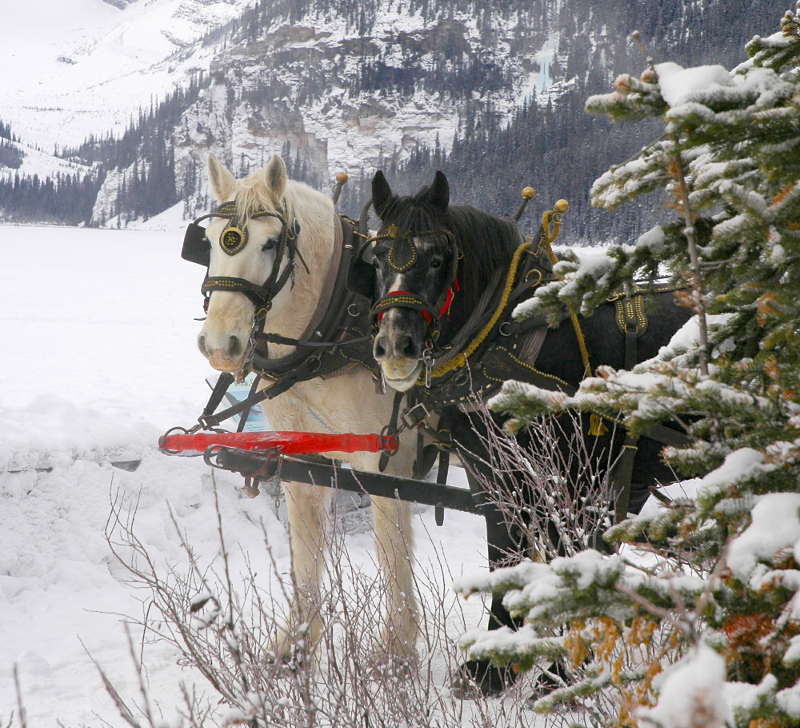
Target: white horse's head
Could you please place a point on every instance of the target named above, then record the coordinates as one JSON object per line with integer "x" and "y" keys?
{"x": 225, "y": 335}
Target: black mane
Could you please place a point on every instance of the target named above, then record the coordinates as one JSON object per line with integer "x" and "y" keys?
{"x": 487, "y": 242}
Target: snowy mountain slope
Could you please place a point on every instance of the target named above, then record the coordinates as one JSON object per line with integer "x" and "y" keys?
{"x": 73, "y": 68}
{"x": 337, "y": 86}
{"x": 332, "y": 93}
{"x": 37, "y": 162}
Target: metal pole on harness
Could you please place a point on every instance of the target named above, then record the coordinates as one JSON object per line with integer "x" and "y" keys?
{"x": 341, "y": 181}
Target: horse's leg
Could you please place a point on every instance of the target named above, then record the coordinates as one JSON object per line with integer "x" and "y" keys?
{"x": 395, "y": 547}
{"x": 307, "y": 507}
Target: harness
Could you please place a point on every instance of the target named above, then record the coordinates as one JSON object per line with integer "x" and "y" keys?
{"x": 233, "y": 239}
{"x": 337, "y": 339}
{"x": 402, "y": 255}
{"x": 491, "y": 349}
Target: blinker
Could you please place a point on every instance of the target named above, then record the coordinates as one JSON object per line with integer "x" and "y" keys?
{"x": 361, "y": 278}
{"x": 196, "y": 246}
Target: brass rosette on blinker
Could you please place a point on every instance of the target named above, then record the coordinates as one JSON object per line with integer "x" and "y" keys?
{"x": 233, "y": 238}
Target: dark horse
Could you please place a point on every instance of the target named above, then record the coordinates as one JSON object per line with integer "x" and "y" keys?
{"x": 433, "y": 264}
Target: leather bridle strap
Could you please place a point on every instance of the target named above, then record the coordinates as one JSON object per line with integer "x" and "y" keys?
{"x": 260, "y": 295}
{"x": 432, "y": 313}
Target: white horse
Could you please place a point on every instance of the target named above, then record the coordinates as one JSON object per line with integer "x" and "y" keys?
{"x": 347, "y": 403}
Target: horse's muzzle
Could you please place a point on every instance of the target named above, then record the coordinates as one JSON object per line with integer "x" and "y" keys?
{"x": 225, "y": 358}
{"x": 398, "y": 348}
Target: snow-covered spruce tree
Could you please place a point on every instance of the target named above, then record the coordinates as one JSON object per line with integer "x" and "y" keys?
{"x": 722, "y": 594}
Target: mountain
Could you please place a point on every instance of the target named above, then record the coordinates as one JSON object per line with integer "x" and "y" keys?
{"x": 491, "y": 92}
{"x": 83, "y": 67}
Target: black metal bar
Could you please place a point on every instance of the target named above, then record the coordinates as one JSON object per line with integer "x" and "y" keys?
{"x": 363, "y": 220}
{"x": 527, "y": 196}
{"x": 326, "y": 473}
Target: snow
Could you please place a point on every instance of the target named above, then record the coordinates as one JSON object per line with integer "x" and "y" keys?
{"x": 678, "y": 84}
{"x": 99, "y": 358}
{"x": 35, "y": 161}
{"x": 692, "y": 693}
{"x": 739, "y": 465}
{"x": 83, "y": 66}
{"x": 653, "y": 239}
{"x": 88, "y": 68}
{"x": 775, "y": 526}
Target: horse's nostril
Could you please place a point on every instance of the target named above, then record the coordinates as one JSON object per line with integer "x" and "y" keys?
{"x": 407, "y": 347}
{"x": 379, "y": 351}
{"x": 201, "y": 344}
{"x": 234, "y": 347}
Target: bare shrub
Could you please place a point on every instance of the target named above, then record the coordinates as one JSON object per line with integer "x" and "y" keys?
{"x": 592, "y": 671}
{"x": 225, "y": 626}
{"x": 558, "y": 499}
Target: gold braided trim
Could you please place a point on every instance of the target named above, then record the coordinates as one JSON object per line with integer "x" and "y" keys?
{"x": 596, "y": 426}
{"x": 228, "y": 284}
{"x": 633, "y": 309}
{"x": 461, "y": 359}
{"x": 524, "y": 364}
{"x": 548, "y": 236}
{"x": 393, "y": 301}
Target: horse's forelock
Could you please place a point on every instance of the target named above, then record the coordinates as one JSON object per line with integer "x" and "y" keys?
{"x": 412, "y": 215}
{"x": 254, "y": 195}
{"x": 486, "y": 241}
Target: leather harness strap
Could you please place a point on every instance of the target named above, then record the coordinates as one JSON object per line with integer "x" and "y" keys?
{"x": 510, "y": 350}
{"x": 339, "y": 340}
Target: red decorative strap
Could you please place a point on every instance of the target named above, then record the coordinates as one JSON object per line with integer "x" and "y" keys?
{"x": 425, "y": 314}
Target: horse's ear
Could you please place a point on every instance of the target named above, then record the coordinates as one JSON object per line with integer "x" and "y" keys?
{"x": 440, "y": 191}
{"x": 223, "y": 183}
{"x": 276, "y": 178}
{"x": 381, "y": 193}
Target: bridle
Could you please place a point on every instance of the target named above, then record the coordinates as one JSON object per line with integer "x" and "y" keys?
{"x": 233, "y": 238}
{"x": 362, "y": 279}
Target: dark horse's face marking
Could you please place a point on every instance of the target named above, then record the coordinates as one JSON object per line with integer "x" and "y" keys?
{"x": 414, "y": 257}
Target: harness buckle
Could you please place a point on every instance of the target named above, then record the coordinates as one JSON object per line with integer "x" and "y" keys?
{"x": 427, "y": 361}
{"x": 390, "y": 443}
{"x": 414, "y": 416}
{"x": 259, "y": 317}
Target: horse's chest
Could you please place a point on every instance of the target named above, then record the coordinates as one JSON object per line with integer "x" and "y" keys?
{"x": 345, "y": 404}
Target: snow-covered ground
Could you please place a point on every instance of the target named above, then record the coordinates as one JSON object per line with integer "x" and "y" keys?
{"x": 98, "y": 358}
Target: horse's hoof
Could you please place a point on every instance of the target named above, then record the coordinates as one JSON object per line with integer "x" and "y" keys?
{"x": 290, "y": 645}
{"x": 396, "y": 649}
{"x": 477, "y": 678}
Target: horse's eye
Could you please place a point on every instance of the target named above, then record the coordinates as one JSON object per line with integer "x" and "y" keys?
{"x": 269, "y": 245}
{"x": 436, "y": 262}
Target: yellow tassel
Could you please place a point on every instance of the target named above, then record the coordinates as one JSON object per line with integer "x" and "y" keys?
{"x": 596, "y": 426}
